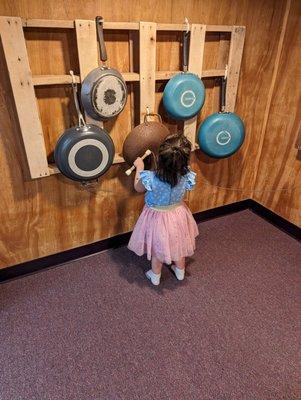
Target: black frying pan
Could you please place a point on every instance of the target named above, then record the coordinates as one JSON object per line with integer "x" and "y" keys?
{"x": 83, "y": 152}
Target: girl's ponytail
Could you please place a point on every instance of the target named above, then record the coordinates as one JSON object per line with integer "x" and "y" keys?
{"x": 173, "y": 158}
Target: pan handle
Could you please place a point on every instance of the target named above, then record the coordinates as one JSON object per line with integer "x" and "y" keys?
{"x": 223, "y": 94}
{"x": 102, "y": 47}
{"x": 186, "y": 37}
{"x": 152, "y": 114}
{"x": 81, "y": 121}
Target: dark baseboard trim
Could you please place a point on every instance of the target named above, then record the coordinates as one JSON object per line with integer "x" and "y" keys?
{"x": 30, "y": 267}
{"x": 221, "y": 211}
{"x": 275, "y": 219}
{"x": 39, "y": 264}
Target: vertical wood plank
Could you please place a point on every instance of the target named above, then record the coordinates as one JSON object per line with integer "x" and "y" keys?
{"x": 131, "y": 85}
{"x": 147, "y": 60}
{"x": 14, "y": 48}
{"x": 87, "y": 48}
{"x": 234, "y": 62}
{"x": 195, "y": 65}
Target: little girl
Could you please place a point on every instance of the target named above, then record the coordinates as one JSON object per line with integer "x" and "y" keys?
{"x": 166, "y": 229}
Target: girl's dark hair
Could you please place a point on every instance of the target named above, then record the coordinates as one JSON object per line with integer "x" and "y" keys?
{"x": 173, "y": 158}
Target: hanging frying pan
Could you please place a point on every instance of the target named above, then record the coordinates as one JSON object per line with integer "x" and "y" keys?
{"x": 148, "y": 135}
{"x": 222, "y": 133}
{"x": 184, "y": 94}
{"x": 104, "y": 91}
{"x": 83, "y": 152}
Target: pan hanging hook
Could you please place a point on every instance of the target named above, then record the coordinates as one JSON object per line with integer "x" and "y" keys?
{"x": 147, "y": 114}
{"x": 186, "y": 22}
{"x": 226, "y": 71}
{"x": 81, "y": 121}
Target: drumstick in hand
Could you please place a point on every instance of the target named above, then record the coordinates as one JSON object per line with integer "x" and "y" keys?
{"x": 130, "y": 170}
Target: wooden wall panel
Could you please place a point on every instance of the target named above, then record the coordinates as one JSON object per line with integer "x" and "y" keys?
{"x": 53, "y": 214}
{"x": 278, "y": 183}
{"x": 229, "y": 180}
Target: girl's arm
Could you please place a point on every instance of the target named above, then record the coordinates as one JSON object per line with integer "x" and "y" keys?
{"x": 139, "y": 164}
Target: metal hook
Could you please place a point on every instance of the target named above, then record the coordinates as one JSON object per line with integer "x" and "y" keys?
{"x": 186, "y": 22}
{"x": 226, "y": 71}
{"x": 73, "y": 78}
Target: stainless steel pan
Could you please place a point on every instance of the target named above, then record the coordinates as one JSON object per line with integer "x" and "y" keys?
{"x": 104, "y": 91}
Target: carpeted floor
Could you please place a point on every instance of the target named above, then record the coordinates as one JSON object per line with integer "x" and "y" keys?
{"x": 96, "y": 329}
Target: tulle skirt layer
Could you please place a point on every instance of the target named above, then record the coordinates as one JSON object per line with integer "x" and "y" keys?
{"x": 167, "y": 234}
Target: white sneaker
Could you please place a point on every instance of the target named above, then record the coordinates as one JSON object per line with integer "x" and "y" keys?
{"x": 179, "y": 273}
{"x": 154, "y": 278}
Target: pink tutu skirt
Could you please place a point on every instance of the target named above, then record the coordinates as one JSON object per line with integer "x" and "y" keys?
{"x": 168, "y": 235}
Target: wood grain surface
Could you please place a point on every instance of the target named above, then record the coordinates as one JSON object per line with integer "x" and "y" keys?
{"x": 52, "y": 214}
{"x": 278, "y": 183}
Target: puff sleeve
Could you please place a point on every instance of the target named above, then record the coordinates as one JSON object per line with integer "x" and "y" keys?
{"x": 147, "y": 179}
{"x": 190, "y": 180}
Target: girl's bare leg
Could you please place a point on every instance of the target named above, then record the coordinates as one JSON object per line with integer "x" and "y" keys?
{"x": 156, "y": 265}
{"x": 179, "y": 269}
{"x": 154, "y": 274}
{"x": 180, "y": 263}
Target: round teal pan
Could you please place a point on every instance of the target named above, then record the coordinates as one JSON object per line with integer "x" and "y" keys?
{"x": 221, "y": 134}
{"x": 184, "y": 94}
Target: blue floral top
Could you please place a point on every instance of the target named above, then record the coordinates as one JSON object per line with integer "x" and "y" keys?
{"x": 159, "y": 193}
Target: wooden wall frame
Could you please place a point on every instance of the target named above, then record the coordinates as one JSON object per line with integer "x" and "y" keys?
{"x": 23, "y": 82}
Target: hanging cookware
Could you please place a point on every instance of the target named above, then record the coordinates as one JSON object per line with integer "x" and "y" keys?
{"x": 184, "y": 94}
{"x": 104, "y": 91}
{"x": 221, "y": 134}
{"x": 148, "y": 135}
{"x": 83, "y": 152}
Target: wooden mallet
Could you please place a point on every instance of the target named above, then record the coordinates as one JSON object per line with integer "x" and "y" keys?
{"x": 130, "y": 170}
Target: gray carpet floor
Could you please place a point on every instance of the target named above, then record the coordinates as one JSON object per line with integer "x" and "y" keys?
{"x": 96, "y": 329}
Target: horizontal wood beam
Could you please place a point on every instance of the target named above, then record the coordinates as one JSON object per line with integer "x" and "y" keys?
{"x": 130, "y": 26}
{"x": 48, "y": 23}
{"x": 53, "y": 169}
{"x": 130, "y": 76}
{"x": 212, "y": 73}
{"x": 163, "y": 75}
{"x": 40, "y": 80}
{"x": 69, "y": 24}
{"x": 207, "y": 73}
{"x": 219, "y": 28}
